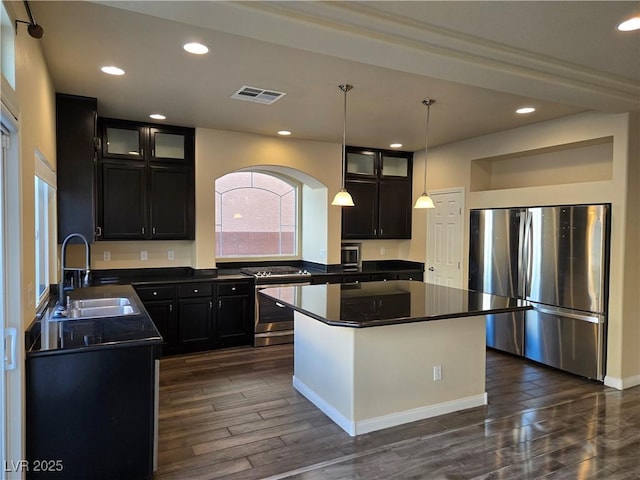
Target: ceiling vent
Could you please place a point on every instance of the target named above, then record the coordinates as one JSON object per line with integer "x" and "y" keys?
{"x": 257, "y": 95}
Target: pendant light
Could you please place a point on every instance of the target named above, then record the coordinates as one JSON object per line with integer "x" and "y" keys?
{"x": 343, "y": 198}
{"x": 424, "y": 200}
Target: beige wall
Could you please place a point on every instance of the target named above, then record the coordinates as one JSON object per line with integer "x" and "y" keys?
{"x": 450, "y": 166}
{"x": 36, "y": 98}
{"x": 316, "y": 164}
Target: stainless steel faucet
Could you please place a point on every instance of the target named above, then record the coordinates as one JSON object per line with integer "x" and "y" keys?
{"x": 62, "y": 297}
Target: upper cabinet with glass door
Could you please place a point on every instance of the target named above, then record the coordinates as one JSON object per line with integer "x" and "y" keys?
{"x": 127, "y": 140}
{"x": 171, "y": 144}
{"x": 122, "y": 139}
{"x": 377, "y": 164}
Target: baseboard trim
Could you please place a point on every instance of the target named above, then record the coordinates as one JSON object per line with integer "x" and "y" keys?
{"x": 391, "y": 420}
{"x": 622, "y": 383}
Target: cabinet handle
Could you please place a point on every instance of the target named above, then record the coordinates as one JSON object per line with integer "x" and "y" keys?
{"x": 233, "y": 289}
{"x": 155, "y": 293}
{"x": 375, "y": 232}
{"x": 98, "y": 231}
{"x": 171, "y": 307}
{"x": 153, "y": 230}
{"x": 142, "y": 152}
{"x": 210, "y": 305}
{"x": 142, "y": 230}
{"x": 380, "y": 231}
{"x": 153, "y": 152}
{"x": 219, "y": 303}
{"x": 195, "y": 290}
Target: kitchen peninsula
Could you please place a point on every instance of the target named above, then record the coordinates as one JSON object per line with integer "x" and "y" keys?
{"x": 379, "y": 354}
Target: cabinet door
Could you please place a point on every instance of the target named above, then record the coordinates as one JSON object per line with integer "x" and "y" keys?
{"x": 122, "y": 203}
{"x": 233, "y": 320}
{"x": 395, "y": 165}
{"x": 195, "y": 330}
{"x": 76, "y": 165}
{"x": 361, "y": 220}
{"x": 361, "y": 162}
{"x": 395, "y": 210}
{"x": 122, "y": 139}
{"x": 171, "y": 144}
{"x": 171, "y": 203}
{"x": 163, "y": 316}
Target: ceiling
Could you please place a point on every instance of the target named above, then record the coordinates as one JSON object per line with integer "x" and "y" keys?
{"x": 478, "y": 60}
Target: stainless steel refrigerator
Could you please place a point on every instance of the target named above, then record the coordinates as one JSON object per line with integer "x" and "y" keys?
{"x": 556, "y": 258}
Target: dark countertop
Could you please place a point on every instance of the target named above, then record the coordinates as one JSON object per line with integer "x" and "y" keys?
{"x": 394, "y": 302}
{"x": 231, "y": 272}
{"x": 48, "y": 336}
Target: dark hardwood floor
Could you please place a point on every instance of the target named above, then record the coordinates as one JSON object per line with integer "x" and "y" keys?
{"x": 234, "y": 415}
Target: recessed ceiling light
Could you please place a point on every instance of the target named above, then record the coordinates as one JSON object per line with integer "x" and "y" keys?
{"x": 525, "y": 110}
{"x": 395, "y": 145}
{"x": 630, "y": 25}
{"x": 111, "y": 70}
{"x": 284, "y": 133}
{"x": 196, "y": 48}
{"x": 157, "y": 116}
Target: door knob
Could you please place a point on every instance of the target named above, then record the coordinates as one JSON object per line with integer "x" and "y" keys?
{"x": 431, "y": 269}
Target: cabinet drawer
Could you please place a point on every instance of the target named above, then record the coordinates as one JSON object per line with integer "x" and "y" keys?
{"x": 190, "y": 290}
{"x": 234, "y": 288}
{"x": 165, "y": 292}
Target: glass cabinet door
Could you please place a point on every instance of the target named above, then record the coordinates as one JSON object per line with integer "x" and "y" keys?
{"x": 361, "y": 163}
{"x": 120, "y": 142}
{"x": 393, "y": 166}
{"x": 166, "y": 145}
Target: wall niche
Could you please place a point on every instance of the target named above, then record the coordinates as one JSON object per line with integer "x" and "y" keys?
{"x": 588, "y": 161}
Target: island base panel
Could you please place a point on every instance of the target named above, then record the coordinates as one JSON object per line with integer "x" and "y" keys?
{"x": 367, "y": 379}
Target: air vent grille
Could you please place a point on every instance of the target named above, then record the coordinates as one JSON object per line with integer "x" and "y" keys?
{"x": 257, "y": 95}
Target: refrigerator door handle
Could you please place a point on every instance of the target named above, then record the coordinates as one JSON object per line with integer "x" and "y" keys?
{"x": 564, "y": 313}
{"x": 525, "y": 255}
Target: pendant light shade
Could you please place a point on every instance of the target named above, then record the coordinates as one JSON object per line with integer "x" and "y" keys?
{"x": 343, "y": 198}
{"x": 424, "y": 200}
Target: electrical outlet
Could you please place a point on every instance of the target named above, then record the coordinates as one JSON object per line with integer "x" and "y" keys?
{"x": 171, "y": 255}
{"x": 323, "y": 253}
{"x": 143, "y": 255}
{"x": 383, "y": 250}
{"x": 106, "y": 256}
{"x": 437, "y": 373}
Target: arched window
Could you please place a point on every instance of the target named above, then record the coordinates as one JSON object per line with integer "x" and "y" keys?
{"x": 256, "y": 215}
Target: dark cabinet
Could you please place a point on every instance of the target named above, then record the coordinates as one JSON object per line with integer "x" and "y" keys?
{"x": 122, "y": 200}
{"x": 361, "y": 221}
{"x": 160, "y": 195}
{"x": 199, "y": 316}
{"x": 90, "y": 414}
{"x": 76, "y": 165}
{"x": 171, "y": 205}
{"x": 159, "y": 301}
{"x": 380, "y": 182}
{"x": 235, "y": 313}
{"x": 195, "y": 330}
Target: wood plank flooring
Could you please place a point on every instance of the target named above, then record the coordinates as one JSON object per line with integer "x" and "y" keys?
{"x": 234, "y": 415}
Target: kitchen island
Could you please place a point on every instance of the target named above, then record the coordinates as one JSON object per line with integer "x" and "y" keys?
{"x": 379, "y": 354}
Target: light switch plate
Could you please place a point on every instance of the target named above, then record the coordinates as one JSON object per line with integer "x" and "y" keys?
{"x": 171, "y": 255}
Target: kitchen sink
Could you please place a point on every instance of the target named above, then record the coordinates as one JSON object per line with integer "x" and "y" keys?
{"x": 97, "y": 312}
{"x": 97, "y": 308}
{"x": 100, "y": 302}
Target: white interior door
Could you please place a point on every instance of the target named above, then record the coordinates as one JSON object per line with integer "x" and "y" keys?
{"x": 444, "y": 238}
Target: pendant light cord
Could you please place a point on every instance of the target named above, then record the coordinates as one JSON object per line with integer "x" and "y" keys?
{"x": 345, "y": 88}
{"x": 428, "y": 103}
